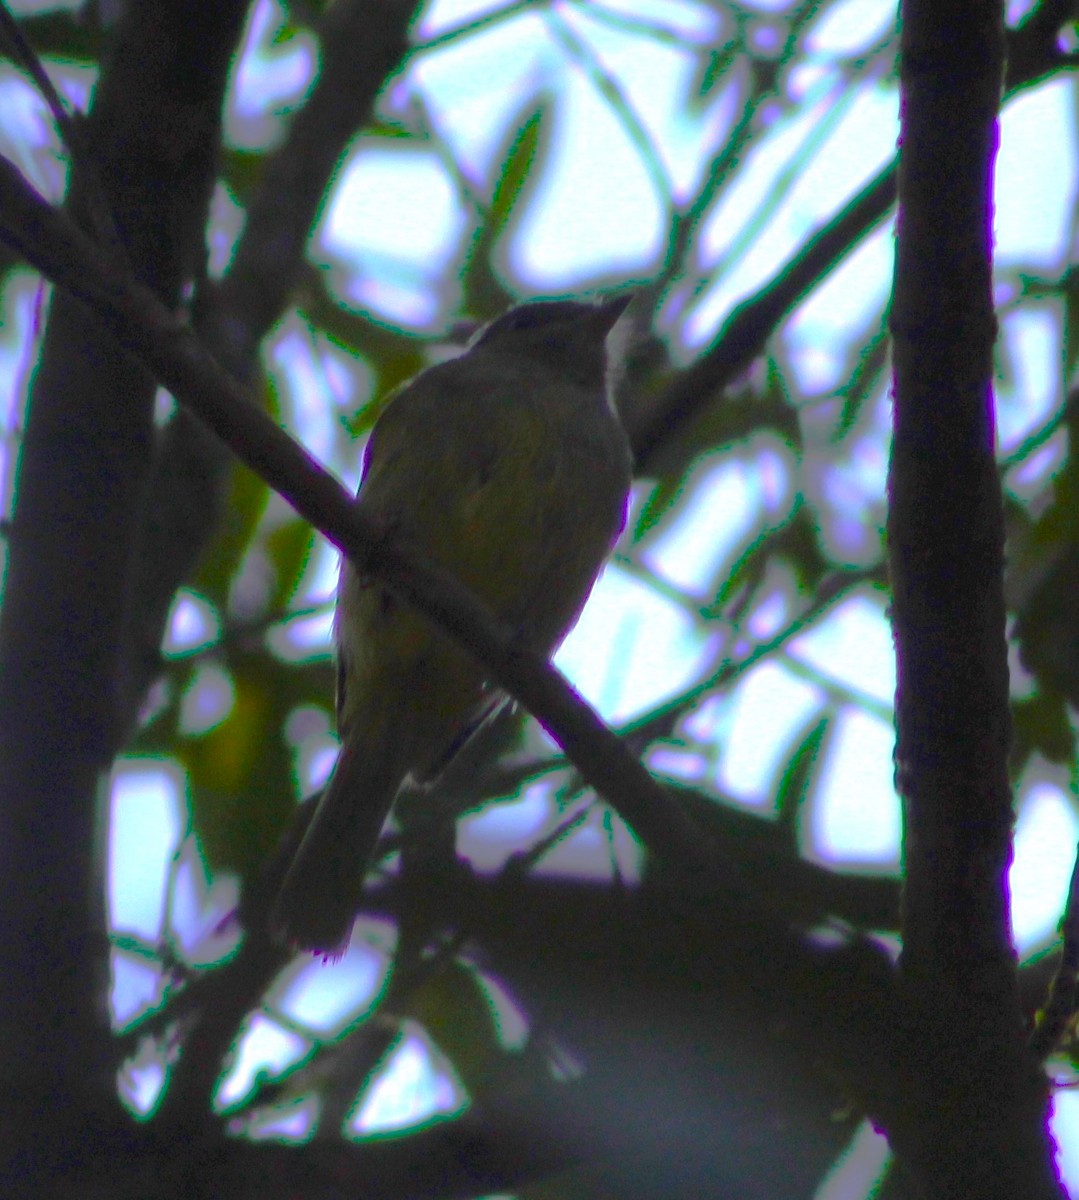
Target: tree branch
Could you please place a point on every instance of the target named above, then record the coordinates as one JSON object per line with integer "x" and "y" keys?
{"x": 82, "y": 475}
{"x": 171, "y": 351}
{"x": 1033, "y": 54}
{"x": 973, "y": 1116}
{"x": 360, "y": 44}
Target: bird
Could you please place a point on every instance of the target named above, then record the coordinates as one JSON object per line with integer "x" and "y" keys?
{"x": 508, "y": 467}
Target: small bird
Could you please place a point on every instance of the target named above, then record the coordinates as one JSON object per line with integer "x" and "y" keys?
{"x": 509, "y": 468}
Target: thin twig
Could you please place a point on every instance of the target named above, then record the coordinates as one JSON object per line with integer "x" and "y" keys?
{"x": 1061, "y": 1006}
{"x": 24, "y": 55}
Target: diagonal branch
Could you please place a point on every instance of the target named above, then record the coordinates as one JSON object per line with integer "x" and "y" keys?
{"x": 1033, "y": 53}
{"x": 172, "y": 353}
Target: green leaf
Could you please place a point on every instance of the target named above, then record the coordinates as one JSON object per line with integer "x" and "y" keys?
{"x": 289, "y": 548}
{"x": 865, "y": 379}
{"x": 1071, "y": 322}
{"x": 453, "y": 1007}
{"x": 1047, "y": 626}
{"x": 243, "y": 509}
{"x": 387, "y": 350}
{"x": 794, "y": 785}
{"x": 1040, "y": 725}
{"x": 516, "y": 169}
{"x": 483, "y": 291}
{"x": 732, "y": 417}
{"x": 64, "y": 35}
{"x": 714, "y": 68}
{"x": 796, "y": 542}
{"x": 242, "y": 756}
{"x": 241, "y": 171}
{"x": 662, "y": 499}
{"x": 243, "y": 790}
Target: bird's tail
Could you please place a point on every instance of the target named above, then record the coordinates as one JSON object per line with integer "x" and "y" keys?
{"x": 318, "y": 899}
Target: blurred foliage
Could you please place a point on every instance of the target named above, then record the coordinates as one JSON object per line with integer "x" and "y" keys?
{"x": 256, "y": 571}
{"x": 241, "y": 771}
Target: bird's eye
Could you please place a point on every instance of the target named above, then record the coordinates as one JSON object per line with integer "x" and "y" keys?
{"x": 522, "y": 318}
{"x": 546, "y": 315}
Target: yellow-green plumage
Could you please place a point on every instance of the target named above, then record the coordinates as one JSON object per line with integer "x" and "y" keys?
{"x": 508, "y": 467}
